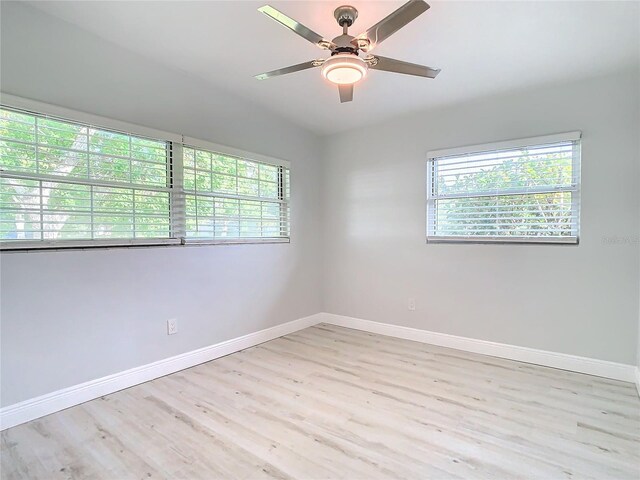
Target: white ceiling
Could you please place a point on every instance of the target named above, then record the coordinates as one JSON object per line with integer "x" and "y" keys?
{"x": 482, "y": 47}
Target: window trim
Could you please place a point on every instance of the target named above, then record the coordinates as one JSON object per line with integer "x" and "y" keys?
{"x": 573, "y": 136}
{"x": 233, "y": 152}
{"x": 194, "y": 143}
{"x": 174, "y": 164}
{"x": 507, "y": 144}
{"x": 46, "y": 109}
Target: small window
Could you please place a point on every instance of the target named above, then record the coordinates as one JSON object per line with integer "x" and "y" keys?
{"x": 65, "y": 181}
{"x": 518, "y": 191}
{"x": 228, "y": 197}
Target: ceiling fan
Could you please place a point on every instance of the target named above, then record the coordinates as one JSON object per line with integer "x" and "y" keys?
{"x": 346, "y": 67}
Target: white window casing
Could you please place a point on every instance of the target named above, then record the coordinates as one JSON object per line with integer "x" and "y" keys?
{"x": 228, "y": 196}
{"x": 524, "y": 190}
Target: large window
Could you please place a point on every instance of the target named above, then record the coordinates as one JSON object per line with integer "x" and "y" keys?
{"x": 520, "y": 191}
{"x": 65, "y": 183}
{"x": 68, "y": 181}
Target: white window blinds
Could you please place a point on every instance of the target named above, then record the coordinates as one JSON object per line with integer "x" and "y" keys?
{"x": 525, "y": 190}
{"x": 70, "y": 181}
{"x": 230, "y": 197}
{"x": 69, "y": 184}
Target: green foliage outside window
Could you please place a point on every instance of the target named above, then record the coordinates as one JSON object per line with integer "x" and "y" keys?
{"x": 69, "y": 205}
{"x": 220, "y": 216}
{"x": 67, "y": 181}
{"x": 520, "y": 194}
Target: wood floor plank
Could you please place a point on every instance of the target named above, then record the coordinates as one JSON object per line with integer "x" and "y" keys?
{"x": 330, "y": 402}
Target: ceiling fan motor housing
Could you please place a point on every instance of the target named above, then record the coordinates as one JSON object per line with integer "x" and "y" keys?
{"x": 343, "y": 45}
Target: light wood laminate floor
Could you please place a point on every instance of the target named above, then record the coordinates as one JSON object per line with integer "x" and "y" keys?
{"x": 330, "y": 402}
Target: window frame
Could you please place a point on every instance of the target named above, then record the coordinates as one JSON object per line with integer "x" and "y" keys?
{"x": 575, "y": 137}
{"x": 190, "y": 142}
{"x": 175, "y": 143}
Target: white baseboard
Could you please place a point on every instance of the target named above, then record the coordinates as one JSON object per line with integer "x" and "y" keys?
{"x": 591, "y": 366}
{"x": 22, "y": 412}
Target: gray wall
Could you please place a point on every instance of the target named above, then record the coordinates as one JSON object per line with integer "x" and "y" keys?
{"x": 69, "y": 317}
{"x": 580, "y": 300}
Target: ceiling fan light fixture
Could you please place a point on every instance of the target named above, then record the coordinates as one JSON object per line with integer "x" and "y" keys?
{"x": 344, "y": 69}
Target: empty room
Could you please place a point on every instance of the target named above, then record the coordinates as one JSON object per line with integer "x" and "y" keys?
{"x": 319, "y": 240}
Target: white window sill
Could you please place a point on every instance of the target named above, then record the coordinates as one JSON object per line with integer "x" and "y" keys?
{"x": 44, "y": 246}
{"x": 505, "y": 240}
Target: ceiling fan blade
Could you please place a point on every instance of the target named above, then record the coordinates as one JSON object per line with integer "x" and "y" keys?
{"x": 390, "y": 25}
{"x": 346, "y": 93}
{"x": 377, "y": 62}
{"x": 291, "y": 69}
{"x": 297, "y": 27}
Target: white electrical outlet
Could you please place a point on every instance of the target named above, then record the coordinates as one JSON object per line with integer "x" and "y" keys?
{"x": 172, "y": 326}
{"x": 411, "y": 305}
